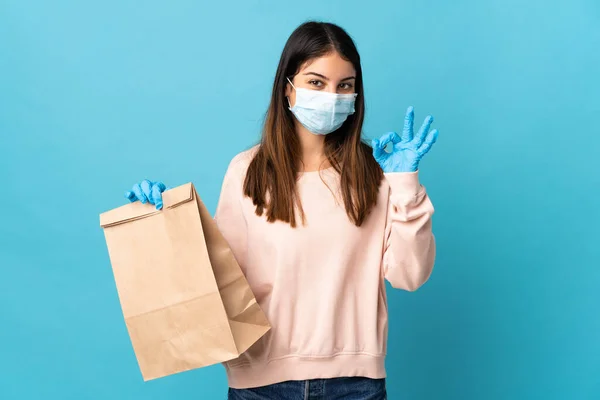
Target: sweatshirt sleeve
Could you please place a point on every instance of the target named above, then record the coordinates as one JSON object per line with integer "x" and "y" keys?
{"x": 409, "y": 250}
{"x": 229, "y": 215}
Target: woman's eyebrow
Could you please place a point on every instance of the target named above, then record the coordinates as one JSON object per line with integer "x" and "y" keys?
{"x": 326, "y": 78}
{"x": 319, "y": 75}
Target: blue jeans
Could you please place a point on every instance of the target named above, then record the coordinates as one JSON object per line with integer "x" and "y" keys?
{"x": 316, "y": 389}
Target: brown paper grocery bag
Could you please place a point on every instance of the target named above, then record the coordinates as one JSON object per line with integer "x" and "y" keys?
{"x": 185, "y": 300}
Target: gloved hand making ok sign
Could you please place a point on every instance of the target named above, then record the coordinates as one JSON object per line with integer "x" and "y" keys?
{"x": 407, "y": 149}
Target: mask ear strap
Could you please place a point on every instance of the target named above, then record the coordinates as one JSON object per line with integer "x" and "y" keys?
{"x": 288, "y": 99}
{"x": 288, "y": 79}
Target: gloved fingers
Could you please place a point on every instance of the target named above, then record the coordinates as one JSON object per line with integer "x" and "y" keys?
{"x": 429, "y": 141}
{"x": 423, "y": 131}
{"x": 137, "y": 190}
{"x": 379, "y": 145}
{"x": 130, "y": 196}
{"x": 146, "y": 186}
{"x": 377, "y": 150}
{"x": 392, "y": 137}
{"x": 157, "y": 195}
{"x": 407, "y": 132}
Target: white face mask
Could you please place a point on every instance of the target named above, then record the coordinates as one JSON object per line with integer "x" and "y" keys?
{"x": 321, "y": 112}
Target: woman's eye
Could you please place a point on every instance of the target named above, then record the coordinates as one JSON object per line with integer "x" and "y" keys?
{"x": 346, "y": 86}
{"x": 315, "y": 82}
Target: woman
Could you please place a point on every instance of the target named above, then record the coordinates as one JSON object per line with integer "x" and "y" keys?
{"x": 317, "y": 221}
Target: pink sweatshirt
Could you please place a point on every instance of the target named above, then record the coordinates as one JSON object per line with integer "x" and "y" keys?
{"x": 321, "y": 285}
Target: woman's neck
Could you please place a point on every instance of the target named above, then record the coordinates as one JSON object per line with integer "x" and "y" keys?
{"x": 313, "y": 150}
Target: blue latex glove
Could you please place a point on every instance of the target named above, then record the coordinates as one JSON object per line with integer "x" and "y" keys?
{"x": 147, "y": 192}
{"x": 407, "y": 150}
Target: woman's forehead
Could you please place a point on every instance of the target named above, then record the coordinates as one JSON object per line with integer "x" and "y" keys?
{"x": 331, "y": 65}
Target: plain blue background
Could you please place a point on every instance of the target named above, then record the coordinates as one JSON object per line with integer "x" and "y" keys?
{"x": 95, "y": 96}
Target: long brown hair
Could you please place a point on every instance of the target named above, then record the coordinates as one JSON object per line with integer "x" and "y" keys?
{"x": 271, "y": 177}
